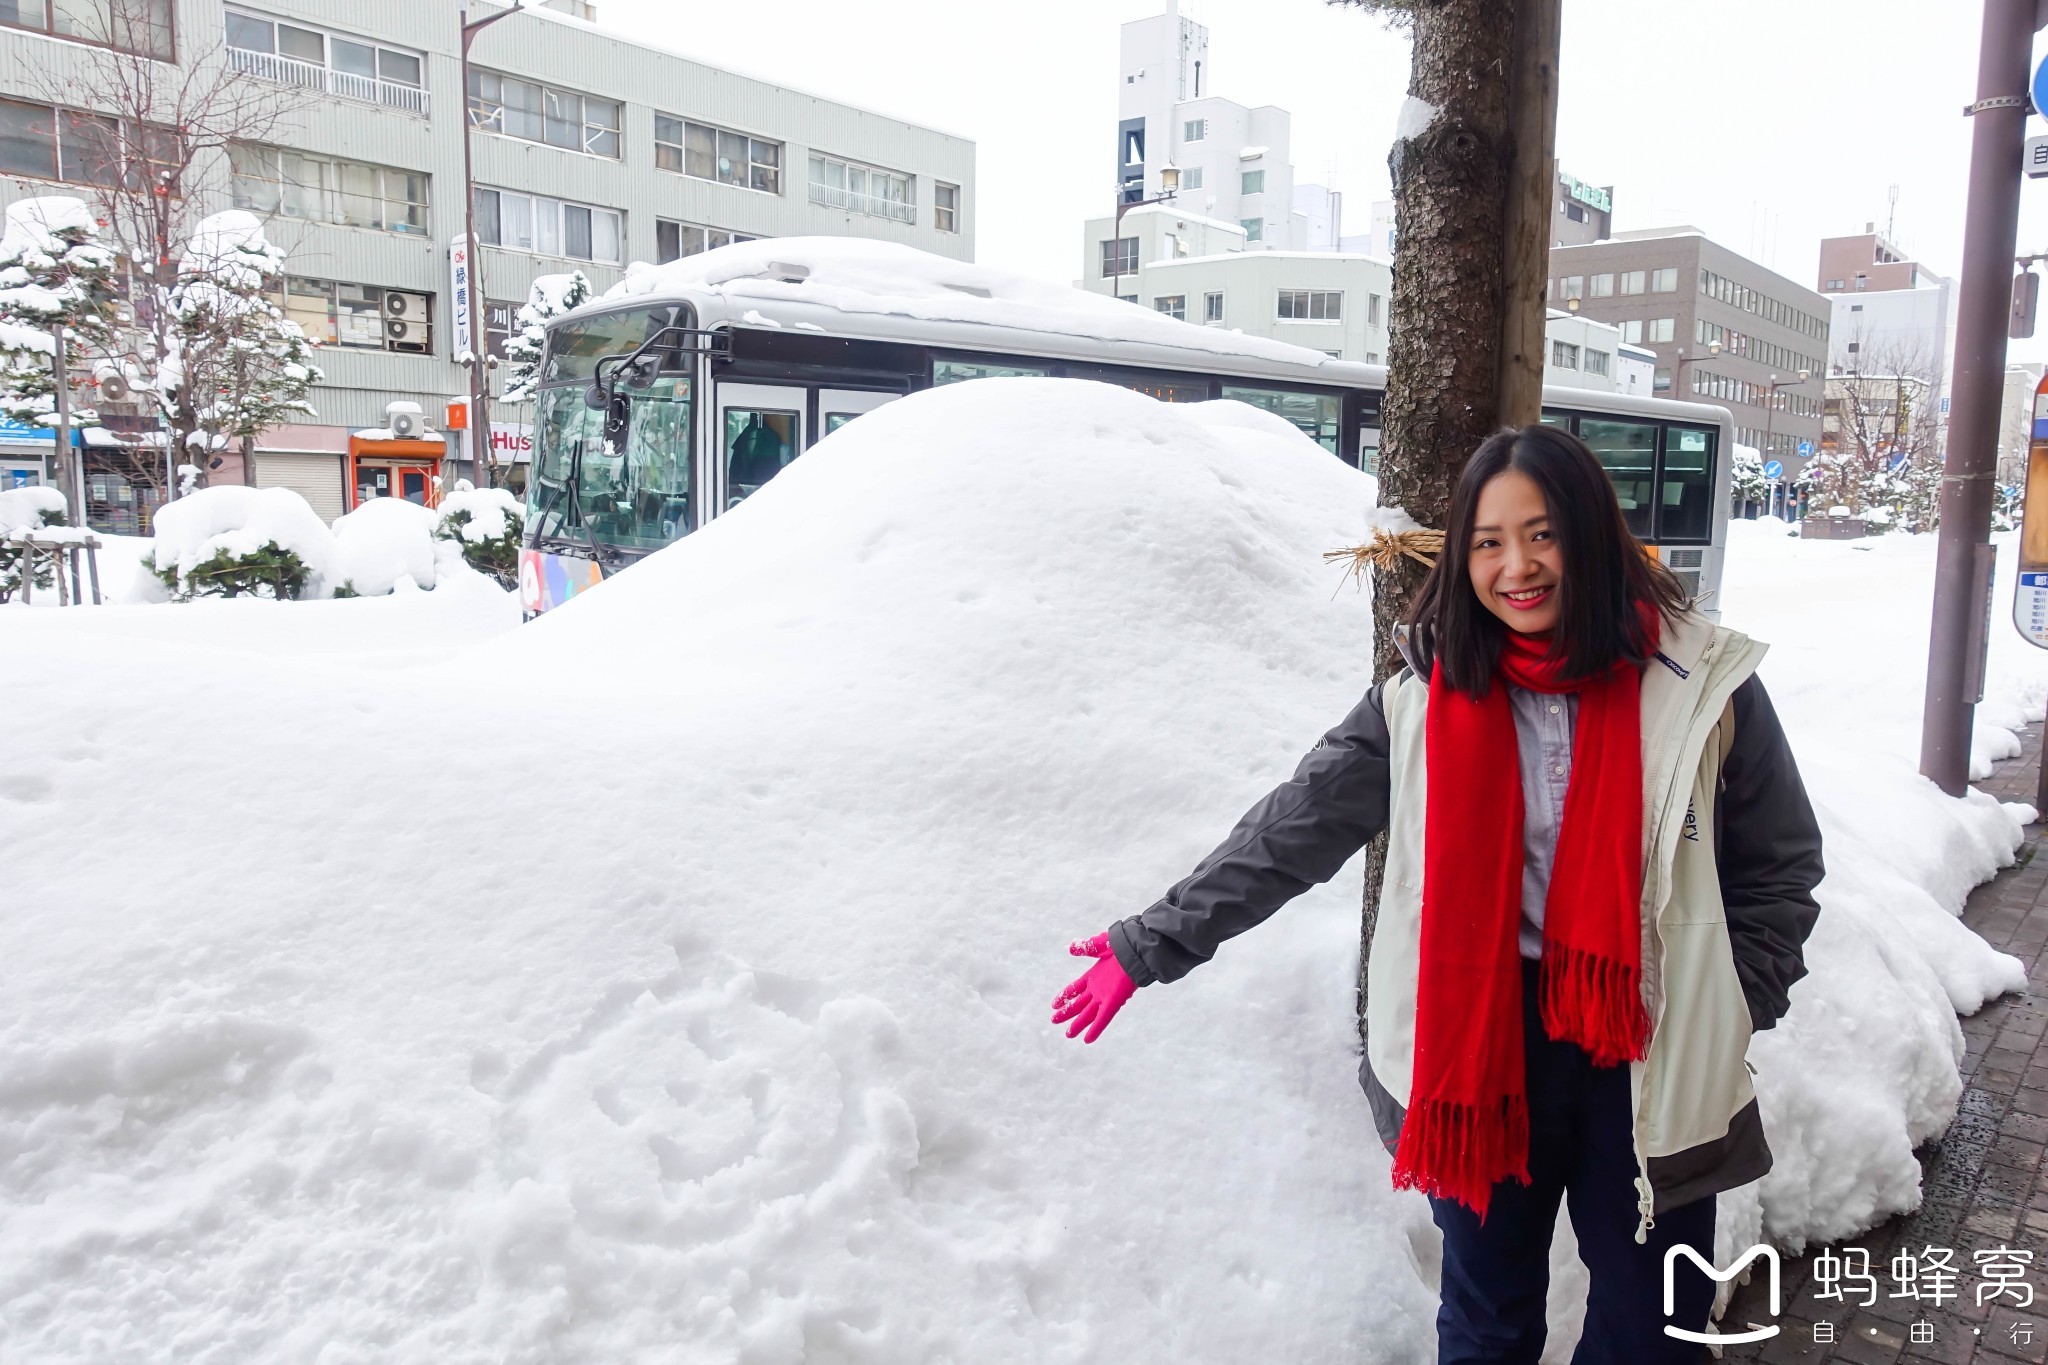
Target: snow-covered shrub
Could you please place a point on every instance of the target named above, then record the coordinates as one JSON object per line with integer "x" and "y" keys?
{"x": 487, "y": 524}
{"x": 231, "y": 541}
{"x": 550, "y": 297}
{"x": 26, "y": 511}
{"x": 382, "y": 541}
{"x": 53, "y": 272}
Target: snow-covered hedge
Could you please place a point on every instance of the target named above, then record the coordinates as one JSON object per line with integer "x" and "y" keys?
{"x": 383, "y": 541}
{"x": 487, "y": 524}
{"x": 26, "y": 510}
{"x": 231, "y": 541}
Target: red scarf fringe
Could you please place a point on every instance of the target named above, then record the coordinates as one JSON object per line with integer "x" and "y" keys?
{"x": 1594, "y": 1002}
{"x": 1457, "y": 1151}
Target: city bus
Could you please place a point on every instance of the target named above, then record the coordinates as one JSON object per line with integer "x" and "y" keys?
{"x": 668, "y": 401}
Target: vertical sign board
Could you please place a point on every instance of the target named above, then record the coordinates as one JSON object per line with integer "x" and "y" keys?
{"x": 462, "y": 342}
{"x": 2030, "y": 596}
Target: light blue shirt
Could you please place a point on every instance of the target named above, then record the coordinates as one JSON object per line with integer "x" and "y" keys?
{"x": 1544, "y": 723}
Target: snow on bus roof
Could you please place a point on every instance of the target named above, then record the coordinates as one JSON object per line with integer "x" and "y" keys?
{"x": 859, "y": 276}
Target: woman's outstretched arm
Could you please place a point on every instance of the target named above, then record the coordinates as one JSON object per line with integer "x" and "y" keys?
{"x": 1298, "y": 836}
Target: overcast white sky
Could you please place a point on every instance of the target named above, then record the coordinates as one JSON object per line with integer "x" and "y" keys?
{"x": 1767, "y": 123}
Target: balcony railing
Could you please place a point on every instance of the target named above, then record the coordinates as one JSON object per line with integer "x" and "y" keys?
{"x": 306, "y": 76}
{"x": 873, "y": 205}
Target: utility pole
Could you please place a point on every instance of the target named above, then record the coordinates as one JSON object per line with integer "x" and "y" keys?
{"x": 69, "y": 467}
{"x": 480, "y": 447}
{"x": 1963, "y": 557}
{"x": 1525, "y": 235}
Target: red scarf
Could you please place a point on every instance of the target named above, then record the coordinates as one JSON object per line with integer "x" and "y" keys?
{"x": 1468, "y": 1117}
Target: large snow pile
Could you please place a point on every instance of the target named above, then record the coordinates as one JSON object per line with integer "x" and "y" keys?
{"x": 238, "y": 521}
{"x": 30, "y": 509}
{"x": 859, "y": 275}
{"x": 479, "y": 514}
{"x": 682, "y": 994}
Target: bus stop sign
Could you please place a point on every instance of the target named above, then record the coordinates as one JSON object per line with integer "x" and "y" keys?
{"x": 2030, "y": 593}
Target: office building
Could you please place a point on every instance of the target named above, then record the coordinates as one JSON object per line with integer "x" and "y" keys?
{"x": 592, "y": 149}
{"x": 1890, "y": 315}
{"x": 1724, "y": 329}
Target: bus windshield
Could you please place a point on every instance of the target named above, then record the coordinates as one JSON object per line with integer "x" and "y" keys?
{"x": 637, "y": 498}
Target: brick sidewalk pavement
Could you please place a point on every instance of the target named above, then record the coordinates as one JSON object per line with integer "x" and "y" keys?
{"x": 1986, "y": 1183}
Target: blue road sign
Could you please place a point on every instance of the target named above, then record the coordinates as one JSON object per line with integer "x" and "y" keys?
{"x": 2041, "y": 85}
{"x": 1806, "y": 450}
{"x": 1774, "y": 469}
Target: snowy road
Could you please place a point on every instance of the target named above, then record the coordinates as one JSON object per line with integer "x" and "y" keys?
{"x": 667, "y": 980}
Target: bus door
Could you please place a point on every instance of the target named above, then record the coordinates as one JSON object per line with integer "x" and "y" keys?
{"x": 837, "y": 407}
{"x": 760, "y": 430}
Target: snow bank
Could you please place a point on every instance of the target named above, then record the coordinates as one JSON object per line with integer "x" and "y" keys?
{"x": 383, "y": 542}
{"x": 480, "y": 514}
{"x": 700, "y": 1013}
{"x": 190, "y": 530}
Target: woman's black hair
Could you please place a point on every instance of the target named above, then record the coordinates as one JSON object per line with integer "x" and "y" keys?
{"x": 1607, "y": 573}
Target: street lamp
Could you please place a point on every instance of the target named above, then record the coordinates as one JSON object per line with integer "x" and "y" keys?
{"x": 1678, "y": 370}
{"x": 479, "y": 341}
{"x": 1771, "y": 407}
{"x": 1169, "y": 186}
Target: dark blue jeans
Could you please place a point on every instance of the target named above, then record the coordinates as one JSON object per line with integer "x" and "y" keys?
{"x": 1582, "y": 1150}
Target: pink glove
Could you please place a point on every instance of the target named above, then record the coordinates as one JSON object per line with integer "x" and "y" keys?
{"x": 1097, "y": 994}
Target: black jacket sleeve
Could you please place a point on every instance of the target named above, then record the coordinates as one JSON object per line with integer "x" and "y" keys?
{"x": 1767, "y": 848}
{"x": 1298, "y": 836}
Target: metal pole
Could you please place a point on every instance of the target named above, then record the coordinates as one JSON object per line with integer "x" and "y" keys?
{"x": 1990, "y": 232}
{"x": 480, "y": 448}
{"x": 68, "y": 465}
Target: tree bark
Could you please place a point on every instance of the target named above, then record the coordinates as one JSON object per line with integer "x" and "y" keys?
{"x": 1472, "y": 188}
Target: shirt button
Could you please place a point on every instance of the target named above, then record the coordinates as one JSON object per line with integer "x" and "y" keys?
{"x": 1553, "y": 708}
{"x": 1558, "y": 770}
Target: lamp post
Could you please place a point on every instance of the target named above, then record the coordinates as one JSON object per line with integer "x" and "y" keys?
{"x": 479, "y": 341}
{"x": 1169, "y": 186}
{"x": 1771, "y": 408}
{"x": 1678, "y": 370}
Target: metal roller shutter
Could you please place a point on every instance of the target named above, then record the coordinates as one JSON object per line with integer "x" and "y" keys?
{"x": 316, "y": 478}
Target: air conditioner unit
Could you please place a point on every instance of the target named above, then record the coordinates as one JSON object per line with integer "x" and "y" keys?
{"x": 405, "y": 321}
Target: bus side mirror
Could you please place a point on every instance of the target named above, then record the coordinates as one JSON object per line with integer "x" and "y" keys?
{"x": 595, "y": 398}
{"x": 618, "y": 419}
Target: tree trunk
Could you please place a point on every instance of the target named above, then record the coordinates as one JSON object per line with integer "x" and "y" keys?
{"x": 1472, "y": 187}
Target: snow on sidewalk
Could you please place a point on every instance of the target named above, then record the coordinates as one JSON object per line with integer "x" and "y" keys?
{"x": 667, "y": 979}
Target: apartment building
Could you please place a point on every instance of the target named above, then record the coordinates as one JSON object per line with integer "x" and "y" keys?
{"x": 592, "y": 149}
{"x": 1891, "y": 314}
{"x": 1724, "y": 329}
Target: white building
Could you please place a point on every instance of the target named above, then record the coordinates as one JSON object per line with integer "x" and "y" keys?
{"x": 1584, "y": 354}
{"x": 593, "y": 149}
{"x": 1233, "y": 161}
{"x": 1327, "y": 302}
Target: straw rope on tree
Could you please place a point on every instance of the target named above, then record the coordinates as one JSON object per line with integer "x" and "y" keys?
{"x": 1386, "y": 549}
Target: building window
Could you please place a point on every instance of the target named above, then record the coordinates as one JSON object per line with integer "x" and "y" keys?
{"x": 1251, "y": 182}
{"x": 1575, "y": 213}
{"x": 1173, "y": 305}
{"x": 549, "y": 227}
{"x": 1191, "y": 178}
{"x": 1595, "y": 362}
{"x": 1664, "y": 281}
{"x": 143, "y": 27}
{"x": 317, "y": 59}
{"x": 46, "y": 143}
{"x": 1572, "y": 287}
{"x": 1855, "y": 307}
{"x": 1603, "y": 286}
{"x": 673, "y": 241}
{"x": 1254, "y": 229}
{"x": 1660, "y": 382}
{"x": 320, "y": 189}
{"x": 1854, "y": 347}
{"x": 1862, "y": 281}
{"x": 1120, "y": 257}
{"x": 1633, "y": 281}
{"x": 707, "y": 153}
{"x": 1311, "y": 305}
{"x": 1832, "y": 285}
{"x": 862, "y": 189}
{"x": 1632, "y": 331}
{"x": 1564, "y": 355}
{"x": 533, "y": 112}
{"x": 1194, "y": 130}
{"x": 1661, "y": 329}
{"x": 1212, "y": 307}
{"x": 360, "y": 316}
{"x": 1372, "y": 310}
{"x": 945, "y": 206}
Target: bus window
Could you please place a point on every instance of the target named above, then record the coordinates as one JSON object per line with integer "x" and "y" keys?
{"x": 1319, "y": 415}
{"x": 758, "y": 443}
{"x": 1685, "y": 501}
{"x": 954, "y": 371}
{"x": 1629, "y": 450}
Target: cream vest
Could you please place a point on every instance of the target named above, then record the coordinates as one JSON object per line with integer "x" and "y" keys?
{"x": 1696, "y": 1076}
